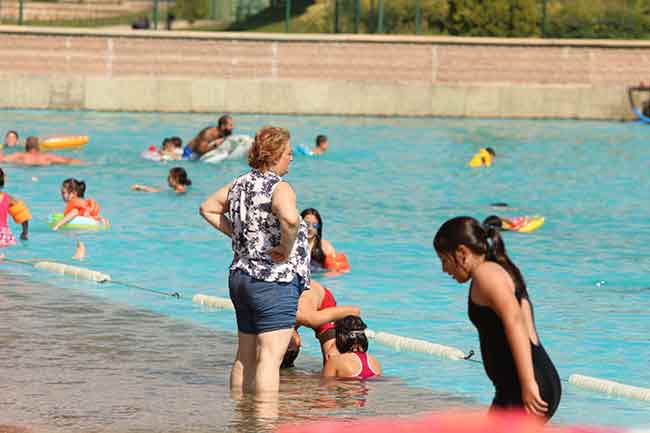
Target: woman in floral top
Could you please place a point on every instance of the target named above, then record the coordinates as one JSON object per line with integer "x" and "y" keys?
{"x": 270, "y": 267}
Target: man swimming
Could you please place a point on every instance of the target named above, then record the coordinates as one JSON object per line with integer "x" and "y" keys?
{"x": 33, "y": 156}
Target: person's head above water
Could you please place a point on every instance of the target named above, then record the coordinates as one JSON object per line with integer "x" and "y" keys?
{"x": 271, "y": 150}
{"x": 314, "y": 223}
{"x": 462, "y": 242}
{"x": 225, "y": 125}
{"x": 293, "y": 349}
{"x": 2, "y": 178}
{"x": 32, "y": 144}
{"x": 322, "y": 142}
{"x": 178, "y": 179}
{"x": 71, "y": 188}
{"x": 493, "y": 221}
{"x": 491, "y": 152}
{"x": 350, "y": 335}
{"x": 11, "y": 139}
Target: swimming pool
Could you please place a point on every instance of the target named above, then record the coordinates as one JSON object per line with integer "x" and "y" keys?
{"x": 383, "y": 190}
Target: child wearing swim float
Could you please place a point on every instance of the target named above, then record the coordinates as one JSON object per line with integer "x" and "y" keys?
{"x": 354, "y": 361}
{"x": 18, "y": 210}
{"x": 72, "y": 193}
{"x": 177, "y": 181}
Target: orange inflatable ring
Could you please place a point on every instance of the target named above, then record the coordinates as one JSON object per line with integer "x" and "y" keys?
{"x": 68, "y": 142}
{"x": 336, "y": 262}
{"x": 20, "y": 212}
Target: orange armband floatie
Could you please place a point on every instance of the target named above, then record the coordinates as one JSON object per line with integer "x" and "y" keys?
{"x": 19, "y": 212}
{"x": 336, "y": 262}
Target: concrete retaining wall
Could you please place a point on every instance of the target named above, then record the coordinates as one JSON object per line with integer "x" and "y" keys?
{"x": 301, "y": 74}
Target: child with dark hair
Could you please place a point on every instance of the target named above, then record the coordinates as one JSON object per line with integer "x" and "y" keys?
{"x": 72, "y": 193}
{"x": 19, "y": 212}
{"x": 177, "y": 180}
{"x": 499, "y": 307}
{"x": 354, "y": 361}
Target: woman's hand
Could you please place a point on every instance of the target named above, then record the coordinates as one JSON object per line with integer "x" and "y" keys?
{"x": 533, "y": 402}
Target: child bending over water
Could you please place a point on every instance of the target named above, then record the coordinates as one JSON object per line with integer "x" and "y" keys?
{"x": 354, "y": 361}
{"x": 177, "y": 180}
{"x": 72, "y": 192}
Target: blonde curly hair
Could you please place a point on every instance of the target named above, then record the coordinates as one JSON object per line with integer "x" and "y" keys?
{"x": 269, "y": 144}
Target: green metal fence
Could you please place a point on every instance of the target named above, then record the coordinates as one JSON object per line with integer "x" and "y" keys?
{"x": 620, "y": 19}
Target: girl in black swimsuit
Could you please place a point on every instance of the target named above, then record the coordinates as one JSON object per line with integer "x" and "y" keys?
{"x": 498, "y": 305}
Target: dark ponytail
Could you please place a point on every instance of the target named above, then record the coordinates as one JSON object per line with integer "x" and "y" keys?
{"x": 180, "y": 175}
{"x": 480, "y": 240}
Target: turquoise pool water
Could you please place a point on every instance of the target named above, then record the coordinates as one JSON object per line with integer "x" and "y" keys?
{"x": 383, "y": 190}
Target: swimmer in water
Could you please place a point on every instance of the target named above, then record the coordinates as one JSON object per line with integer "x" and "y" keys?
{"x": 319, "y": 248}
{"x": 483, "y": 158}
{"x": 33, "y": 156}
{"x": 177, "y": 181}
{"x": 322, "y": 144}
{"x": 72, "y": 193}
{"x": 499, "y": 307}
{"x": 317, "y": 310}
{"x": 354, "y": 362}
{"x": 11, "y": 139}
{"x": 210, "y": 138}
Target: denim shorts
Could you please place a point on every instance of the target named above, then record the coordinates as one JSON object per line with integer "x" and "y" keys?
{"x": 263, "y": 306}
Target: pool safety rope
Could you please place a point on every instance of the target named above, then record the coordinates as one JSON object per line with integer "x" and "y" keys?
{"x": 395, "y": 342}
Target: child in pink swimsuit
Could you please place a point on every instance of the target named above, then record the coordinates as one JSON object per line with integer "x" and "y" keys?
{"x": 354, "y": 361}
{"x": 15, "y": 208}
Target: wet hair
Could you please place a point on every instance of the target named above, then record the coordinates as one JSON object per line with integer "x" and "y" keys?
{"x": 180, "y": 175}
{"x": 74, "y": 185}
{"x": 481, "y": 241}
{"x": 490, "y": 151}
{"x": 289, "y": 357}
{"x": 320, "y": 139}
{"x": 178, "y": 143}
{"x": 12, "y": 132}
{"x": 317, "y": 253}
{"x": 223, "y": 120}
{"x": 268, "y": 146}
{"x": 493, "y": 221}
{"x": 32, "y": 143}
{"x": 2, "y": 178}
{"x": 165, "y": 141}
{"x": 349, "y": 332}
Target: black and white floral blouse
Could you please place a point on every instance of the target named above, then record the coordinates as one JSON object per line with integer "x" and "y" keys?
{"x": 256, "y": 231}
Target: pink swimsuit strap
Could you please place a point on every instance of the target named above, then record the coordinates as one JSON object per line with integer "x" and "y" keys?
{"x": 366, "y": 372}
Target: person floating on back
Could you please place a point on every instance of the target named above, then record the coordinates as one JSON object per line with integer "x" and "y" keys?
{"x": 72, "y": 193}
{"x": 18, "y": 210}
{"x": 177, "y": 181}
{"x": 33, "y": 156}
{"x": 354, "y": 362}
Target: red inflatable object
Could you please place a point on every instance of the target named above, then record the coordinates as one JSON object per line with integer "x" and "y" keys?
{"x": 336, "y": 262}
{"x": 453, "y": 422}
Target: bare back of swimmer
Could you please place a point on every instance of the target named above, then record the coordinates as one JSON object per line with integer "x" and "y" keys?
{"x": 316, "y": 310}
{"x": 34, "y": 157}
